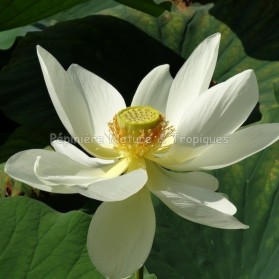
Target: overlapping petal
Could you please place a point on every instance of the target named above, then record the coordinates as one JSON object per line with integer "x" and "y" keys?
{"x": 192, "y": 79}
{"x": 195, "y": 203}
{"x": 54, "y": 168}
{"x": 120, "y": 235}
{"x": 77, "y": 155}
{"x": 70, "y": 105}
{"x": 222, "y": 109}
{"x": 218, "y": 112}
{"x": 197, "y": 211}
{"x": 54, "y": 172}
{"x": 235, "y": 147}
{"x": 197, "y": 178}
{"x": 154, "y": 89}
{"x": 21, "y": 167}
{"x": 102, "y": 99}
{"x": 115, "y": 189}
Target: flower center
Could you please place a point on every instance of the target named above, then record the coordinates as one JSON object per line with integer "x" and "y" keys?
{"x": 138, "y": 118}
{"x": 139, "y": 131}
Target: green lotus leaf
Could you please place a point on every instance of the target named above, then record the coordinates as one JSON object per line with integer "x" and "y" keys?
{"x": 19, "y": 12}
{"x": 147, "y": 6}
{"x": 38, "y": 242}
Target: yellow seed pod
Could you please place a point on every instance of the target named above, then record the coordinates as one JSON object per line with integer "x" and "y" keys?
{"x": 138, "y": 118}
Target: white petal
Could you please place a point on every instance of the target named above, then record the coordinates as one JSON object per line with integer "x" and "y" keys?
{"x": 200, "y": 205}
{"x": 70, "y": 105}
{"x": 161, "y": 182}
{"x": 101, "y": 183}
{"x": 77, "y": 155}
{"x": 154, "y": 89}
{"x": 222, "y": 109}
{"x": 56, "y": 171}
{"x": 120, "y": 235}
{"x": 177, "y": 155}
{"x": 53, "y": 168}
{"x": 199, "y": 179}
{"x": 218, "y": 112}
{"x": 235, "y": 147}
{"x": 59, "y": 86}
{"x": 103, "y": 100}
{"x": 115, "y": 189}
{"x": 192, "y": 79}
{"x": 21, "y": 167}
{"x": 196, "y": 211}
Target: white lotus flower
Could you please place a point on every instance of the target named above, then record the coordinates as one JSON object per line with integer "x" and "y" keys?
{"x": 146, "y": 148}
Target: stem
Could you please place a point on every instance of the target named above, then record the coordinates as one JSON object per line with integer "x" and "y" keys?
{"x": 139, "y": 273}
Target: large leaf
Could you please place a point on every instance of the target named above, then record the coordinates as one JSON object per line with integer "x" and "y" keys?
{"x": 90, "y": 7}
{"x": 20, "y": 12}
{"x": 38, "y": 242}
{"x": 8, "y": 37}
{"x": 148, "y": 6}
